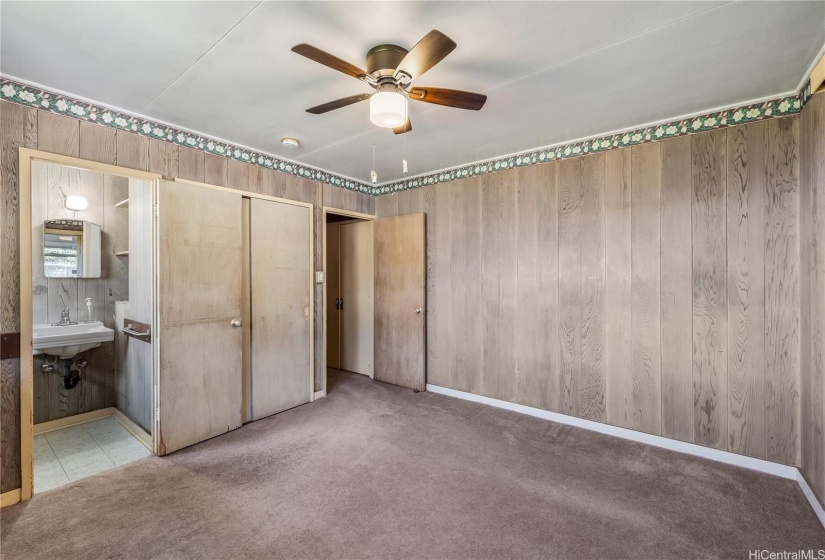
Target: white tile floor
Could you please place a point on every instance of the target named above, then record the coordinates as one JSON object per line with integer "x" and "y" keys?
{"x": 76, "y": 452}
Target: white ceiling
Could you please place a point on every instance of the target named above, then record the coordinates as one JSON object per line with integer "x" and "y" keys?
{"x": 553, "y": 71}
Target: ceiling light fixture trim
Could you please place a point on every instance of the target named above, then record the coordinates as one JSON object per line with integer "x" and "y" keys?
{"x": 40, "y": 98}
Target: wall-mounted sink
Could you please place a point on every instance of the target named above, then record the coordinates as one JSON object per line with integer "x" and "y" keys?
{"x": 69, "y": 340}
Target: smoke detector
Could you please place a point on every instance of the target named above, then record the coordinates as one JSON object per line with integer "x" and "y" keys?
{"x": 291, "y": 143}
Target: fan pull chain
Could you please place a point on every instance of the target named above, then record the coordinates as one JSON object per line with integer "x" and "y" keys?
{"x": 404, "y": 153}
{"x": 373, "y": 173}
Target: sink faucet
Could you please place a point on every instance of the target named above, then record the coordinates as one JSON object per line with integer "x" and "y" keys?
{"x": 65, "y": 320}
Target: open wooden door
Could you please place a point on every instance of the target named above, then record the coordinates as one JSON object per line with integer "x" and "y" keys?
{"x": 281, "y": 288}
{"x": 357, "y": 279}
{"x": 400, "y": 294}
{"x": 199, "y": 315}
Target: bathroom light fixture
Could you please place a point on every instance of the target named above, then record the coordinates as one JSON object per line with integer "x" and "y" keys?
{"x": 388, "y": 108}
{"x": 75, "y": 202}
{"x": 291, "y": 143}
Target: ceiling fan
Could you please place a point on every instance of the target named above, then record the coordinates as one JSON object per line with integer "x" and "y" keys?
{"x": 390, "y": 71}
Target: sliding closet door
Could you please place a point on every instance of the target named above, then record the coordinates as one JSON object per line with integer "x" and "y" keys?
{"x": 400, "y": 294}
{"x": 200, "y": 308}
{"x": 280, "y": 272}
{"x": 357, "y": 297}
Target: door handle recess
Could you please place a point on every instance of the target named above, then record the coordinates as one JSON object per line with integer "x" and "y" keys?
{"x": 235, "y": 323}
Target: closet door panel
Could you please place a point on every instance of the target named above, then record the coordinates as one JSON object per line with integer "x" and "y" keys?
{"x": 200, "y": 295}
{"x": 280, "y": 272}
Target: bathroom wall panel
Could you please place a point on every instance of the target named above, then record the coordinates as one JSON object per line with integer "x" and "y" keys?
{"x": 214, "y": 171}
{"x": 132, "y": 151}
{"x": 58, "y": 134}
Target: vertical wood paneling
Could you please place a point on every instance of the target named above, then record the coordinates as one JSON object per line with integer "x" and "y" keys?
{"x": 18, "y": 128}
{"x": 466, "y": 334}
{"x": 214, "y": 170}
{"x": 676, "y": 290}
{"x": 191, "y": 164}
{"x": 498, "y": 285}
{"x": 132, "y": 150}
{"x": 782, "y": 290}
{"x": 274, "y": 183}
{"x": 387, "y": 205}
{"x": 646, "y": 339}
{"x": 812, "y": 206}
{"x": 709, "y": 289}
{"x": 97, "y": 143}
{"x": 592, "y": 384}
{"x": 163, "y": 158}
{"x": 548, "y": 302}
{"x": 237, "y": 175}
{"x": 58, "y": 134}
{"x": 746, "y": 289}
{"x": 439, "y": 347}
{"x": 617, "y": 228}
{"x": 570, "y": 208}
{"x": 410, "y": 201}
{"x": 529, "y": 371}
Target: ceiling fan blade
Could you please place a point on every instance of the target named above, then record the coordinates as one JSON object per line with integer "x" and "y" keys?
{"x": 449, "y": 97}
{"x": 338, "y": 103}
{"x": 428, "y": 52}
{"x": 404, "y": 128}
{"x": 323, "y": 57}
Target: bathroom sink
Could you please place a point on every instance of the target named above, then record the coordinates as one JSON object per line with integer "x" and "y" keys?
{"x": 69, "y": 340}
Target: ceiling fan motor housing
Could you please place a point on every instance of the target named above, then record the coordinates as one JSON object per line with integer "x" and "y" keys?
{"x": 384, "y": 59}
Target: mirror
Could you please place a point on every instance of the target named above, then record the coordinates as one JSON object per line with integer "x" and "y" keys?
{"x": 71, "y": 249}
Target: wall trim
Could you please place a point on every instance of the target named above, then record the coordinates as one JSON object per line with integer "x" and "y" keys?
{"x": 76, "y": 420}
{"x": 9, "y": 498}
{"x": 761, "y": 465}
{"x": 18, "y": 91}
{"x": 319, "y": 394}
{"x": 781, "y": 106}
{"x": 139, "y": 433}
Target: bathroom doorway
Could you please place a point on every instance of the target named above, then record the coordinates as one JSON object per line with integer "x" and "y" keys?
{"x": 87, "y": 352}
{"x": 348, "y": 292}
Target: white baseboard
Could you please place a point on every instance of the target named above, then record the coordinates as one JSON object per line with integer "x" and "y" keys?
{"x": 319, "y": 394}
{"x": 131, "y": 427}
{"x": 60, "y": 423}
{"x": 809, "y": 493}
{"x": 761, "y": 465}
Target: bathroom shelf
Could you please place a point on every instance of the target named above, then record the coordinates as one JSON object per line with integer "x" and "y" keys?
{"x": 121, "y": 253}
{"x": 122, "y": 204}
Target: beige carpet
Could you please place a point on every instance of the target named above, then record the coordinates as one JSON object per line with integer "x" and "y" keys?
{"x": 375, "y": 471}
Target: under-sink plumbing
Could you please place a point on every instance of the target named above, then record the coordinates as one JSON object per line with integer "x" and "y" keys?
{"x": 71, "y": 375}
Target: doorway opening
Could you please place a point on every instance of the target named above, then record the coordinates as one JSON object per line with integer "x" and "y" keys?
{"x": 349, "y": 294}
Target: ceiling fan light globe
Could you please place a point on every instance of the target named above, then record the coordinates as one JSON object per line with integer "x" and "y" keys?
{"x": 388, "y": 109}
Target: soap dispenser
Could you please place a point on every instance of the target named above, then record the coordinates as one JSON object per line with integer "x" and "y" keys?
{"x": 88, "y": 315}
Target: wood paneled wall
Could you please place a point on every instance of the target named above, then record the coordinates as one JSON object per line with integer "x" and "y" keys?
{"x": 812, "y": 205}
{"x": 655, "y": 288}
{"x": 32, "y": 128}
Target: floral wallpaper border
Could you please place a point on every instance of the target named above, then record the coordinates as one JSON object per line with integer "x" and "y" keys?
{"x": 23, "y": 94}
{"x": 779, "y": 107}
